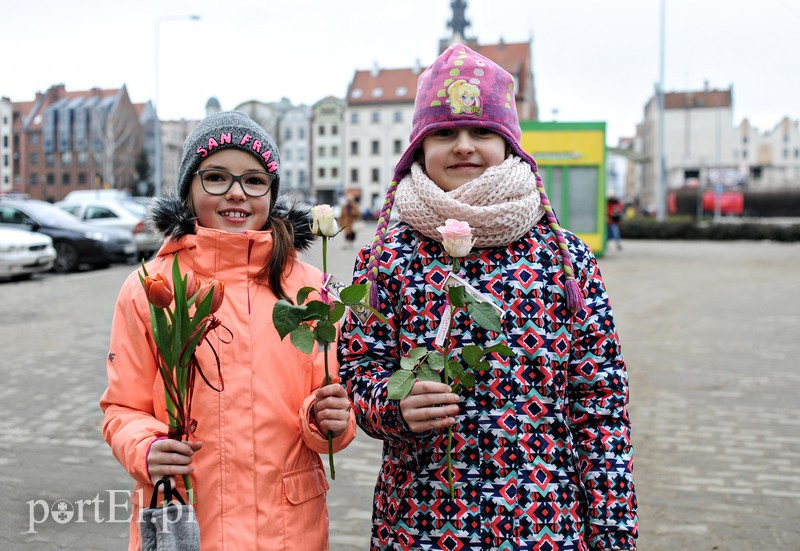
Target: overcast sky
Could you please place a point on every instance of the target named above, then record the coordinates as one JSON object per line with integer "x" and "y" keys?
{"x": 593, "y": 60}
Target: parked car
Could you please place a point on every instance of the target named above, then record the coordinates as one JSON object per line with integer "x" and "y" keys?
{"x": 76, "y": 242}
{"x": 24, "y": 253}
{"x": 121, "y": 213}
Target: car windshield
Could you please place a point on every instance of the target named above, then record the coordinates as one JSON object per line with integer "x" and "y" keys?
{"x": 137, "y": 209}
{"x": 47, "y": 214}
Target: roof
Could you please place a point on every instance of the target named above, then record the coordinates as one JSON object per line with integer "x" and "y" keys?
{"x": 698, "y": 99}
{"x": 57, "y": 94}
{"x": 379, "y": 86}
{"x": 383, "y": 86}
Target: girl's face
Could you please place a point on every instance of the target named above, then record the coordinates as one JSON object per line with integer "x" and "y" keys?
{"x": 234, "y": 210}
{"x": 455, "y": 156}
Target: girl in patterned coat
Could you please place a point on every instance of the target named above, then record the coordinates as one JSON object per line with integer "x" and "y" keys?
{"x": 541, "y": 445}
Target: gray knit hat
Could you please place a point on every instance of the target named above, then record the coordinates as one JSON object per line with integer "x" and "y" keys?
{"x": 226, "y": 130}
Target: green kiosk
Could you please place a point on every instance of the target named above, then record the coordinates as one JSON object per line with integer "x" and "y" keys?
{"x": 572, "y": 163}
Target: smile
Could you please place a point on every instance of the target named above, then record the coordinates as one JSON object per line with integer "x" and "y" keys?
{"x": 234, "y": 214}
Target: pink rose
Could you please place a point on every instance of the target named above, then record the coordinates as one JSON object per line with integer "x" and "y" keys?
{"x": 456, "y": 238}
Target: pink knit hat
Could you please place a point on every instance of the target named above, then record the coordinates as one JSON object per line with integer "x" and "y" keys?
{"x": 462, "y": 88}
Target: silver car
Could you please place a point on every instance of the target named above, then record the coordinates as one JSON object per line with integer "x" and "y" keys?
{"x": 24, "y": 253}
{"x": 120, "y": 213}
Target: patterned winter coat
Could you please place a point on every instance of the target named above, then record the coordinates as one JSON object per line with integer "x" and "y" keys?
{"x": 541, "y": 449}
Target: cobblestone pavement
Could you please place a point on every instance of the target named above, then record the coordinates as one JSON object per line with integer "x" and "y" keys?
{"x": 710, "y": 331}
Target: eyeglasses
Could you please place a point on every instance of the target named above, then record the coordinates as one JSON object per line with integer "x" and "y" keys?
{"x": 216, "y": 181}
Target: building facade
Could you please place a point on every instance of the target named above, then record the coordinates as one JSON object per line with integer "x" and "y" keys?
{"x": 6, "y": 145}
{"x": 75, "y": 140}
{"x": 327, "y": 150}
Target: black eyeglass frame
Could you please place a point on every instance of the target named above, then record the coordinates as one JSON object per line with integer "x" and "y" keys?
{"x": 235, "y": 178}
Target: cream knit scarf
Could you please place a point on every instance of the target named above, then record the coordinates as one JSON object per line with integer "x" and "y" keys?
{"x": 501, "y": 205}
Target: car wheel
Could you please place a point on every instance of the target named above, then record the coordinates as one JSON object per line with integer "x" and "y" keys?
{"x": 66, "y": 258}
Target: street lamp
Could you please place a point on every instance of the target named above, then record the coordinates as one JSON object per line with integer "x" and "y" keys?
{"x": 158, "y": 180}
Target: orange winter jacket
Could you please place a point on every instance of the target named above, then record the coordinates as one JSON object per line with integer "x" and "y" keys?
{"x": 259, "y": 479}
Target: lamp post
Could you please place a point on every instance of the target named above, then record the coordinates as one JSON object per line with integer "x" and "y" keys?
{"x": 661, "y": 166}
{"x": 159, "y": 180}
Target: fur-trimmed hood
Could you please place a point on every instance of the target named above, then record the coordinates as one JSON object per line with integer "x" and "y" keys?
{"x": 170, "y": 217}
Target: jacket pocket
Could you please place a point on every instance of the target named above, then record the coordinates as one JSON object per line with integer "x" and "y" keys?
{"x": 305, "y": 514}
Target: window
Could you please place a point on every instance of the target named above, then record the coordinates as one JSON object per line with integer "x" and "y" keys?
{"x": 34, "y": 139}
{"x": 50, "y": 160}
{"x": 398, "y": 116}
{"x": 98, "y": 213}
{"x": 65, "y": 179}
{"x": 376, "y": 175}
{"x": 321, "y": 151}
{"x": 83, "y": 158}
{"x": 398, "y": 147}
{"x": 334, "y": 172}
{"x": 66, "y": 158}
{"x": 401, "y": 91}
{"x": 354, "y": 175}
{"x": 334, "y": 151}
{"x": 301, "y": 133}
{"x": 51, "y": 179}
{"x": 287, "y": 176}
{"x": 377, "y": 92}
{"x": 334, "y": 130}
{"x": 301, "y": 178}
{"x": 376, "y": 147}
{"x": 301, "y": 154}
{"x": 353, "y": 148}
{"x": 34, "y": 158}
{"x": 321, "y": 130}
{"x": 354, "y": 117}
{"x": 34, "y": 179}
{"x": 321, "y": 172}
{"x": 583, "y": 183}
{"x": 82, "y": 178}
{"x": 376, "y": 116}
{"x": 287, "y": 155}
{"x": 287, "y": 134}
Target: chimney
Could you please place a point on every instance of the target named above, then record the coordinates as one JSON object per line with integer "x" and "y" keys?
{"x": 376, "y": 70}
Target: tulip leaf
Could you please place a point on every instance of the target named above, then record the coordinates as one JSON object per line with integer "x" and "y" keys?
{"x": 303, "y": 338}
{"x": 485, "y": 315}
{"x": 456, "y": 294}
{"x": 400, "y": 384}
{"x": 286, "y": 317}
{"x": 353, "y": 294}
{"x": 427, "y": 373}
{"x": 303, "y": 293}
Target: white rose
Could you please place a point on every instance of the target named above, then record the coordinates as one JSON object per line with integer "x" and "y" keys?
{"x": 324, "y": 222}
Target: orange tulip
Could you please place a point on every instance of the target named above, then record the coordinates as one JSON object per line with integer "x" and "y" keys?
{"x": 192, "y": 285}
{"x": 219, "y": 293}
{"x": 158, "y": 290}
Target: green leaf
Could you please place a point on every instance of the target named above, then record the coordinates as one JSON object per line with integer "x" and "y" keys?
{"x": 435, "y": 360}
{"x": 482, "y": 365}
{"x": 303, "y": 293}
{"x": 303, "y": 339}
{"x": 426, "y": 373}
{"x": 453, "y": 369}
{"x": 353, "y": 294}
{"x": 317, "y": 310}
{"x": 400, "y": 384}
{"x": 468, "y": 380}
{"x": 485, "y": 315}
{"x": 415, "y": 355}
{"x": 337, "y": 312}
{"x": 501, "y": 350}
{"x": 472, "y": 354}
{"x": 456, "y": 294}
{"x": 286, "y": 317}
{"x": 456, "y": 388}
{"x": 325, "y": 332}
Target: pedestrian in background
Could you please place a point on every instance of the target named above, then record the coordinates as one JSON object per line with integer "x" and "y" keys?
{"x": 348, "y": 219}
{"x": 254, "y": 456}
{"x": 541, "y": 444}
{"x": 614, "y": 212}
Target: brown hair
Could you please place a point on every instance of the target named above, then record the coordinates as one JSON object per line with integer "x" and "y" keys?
{"x": 283, "y": 251}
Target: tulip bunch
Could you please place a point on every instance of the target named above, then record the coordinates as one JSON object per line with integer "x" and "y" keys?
{"x": 177, "y": 332}
{"x": 314, "y": 321}
{"x": 439, "y": 364}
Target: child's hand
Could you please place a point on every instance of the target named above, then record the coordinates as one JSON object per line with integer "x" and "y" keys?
{"x": 171, "y": 458}
{"x": 429, "y": 406}
{"x": 331, "y": 409}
